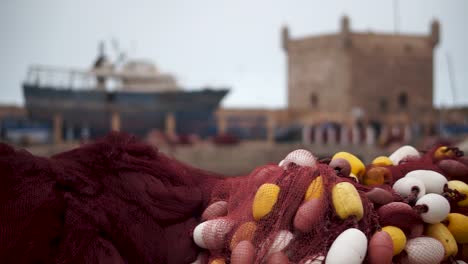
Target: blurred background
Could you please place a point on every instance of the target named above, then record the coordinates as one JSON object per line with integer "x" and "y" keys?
{"x": 231, "y": 85}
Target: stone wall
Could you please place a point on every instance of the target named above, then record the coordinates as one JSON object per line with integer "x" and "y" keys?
{"x": 318, "y": 67}
{"x": 384, "y": 77}
{"x": 239, "y": 159}
{"x": 386, "y": 67}
{"x": 243, "y": 158}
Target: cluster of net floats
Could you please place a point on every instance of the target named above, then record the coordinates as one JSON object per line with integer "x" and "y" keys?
{"x": 409, "y": 207}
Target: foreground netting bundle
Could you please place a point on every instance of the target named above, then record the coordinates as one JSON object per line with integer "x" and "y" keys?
{"x": 114, "y": 201}
{"x": 405, "y": 208}
{"x": 121, "y": 201}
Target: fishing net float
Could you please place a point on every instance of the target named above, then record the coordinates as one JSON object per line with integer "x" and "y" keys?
{"x": 121, "y": 201}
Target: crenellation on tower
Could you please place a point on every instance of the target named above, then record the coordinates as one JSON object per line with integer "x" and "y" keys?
{"x": 435, "y": 32}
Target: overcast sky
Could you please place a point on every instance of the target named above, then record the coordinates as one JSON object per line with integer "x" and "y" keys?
{"x": 233, "y": 43}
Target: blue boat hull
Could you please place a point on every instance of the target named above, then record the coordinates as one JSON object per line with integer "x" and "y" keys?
{"x": 140, "y": 112}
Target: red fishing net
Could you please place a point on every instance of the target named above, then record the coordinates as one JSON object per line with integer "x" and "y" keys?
{"x": 293, "y": 183}
{"x": 121, "y": 201}
{"x": 115, "y": 201}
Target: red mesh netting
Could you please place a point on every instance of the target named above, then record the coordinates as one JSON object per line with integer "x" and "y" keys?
{"x": 115, "y": 201}
{"x": 121, "y": 201}
{"x": 293, "y": 183}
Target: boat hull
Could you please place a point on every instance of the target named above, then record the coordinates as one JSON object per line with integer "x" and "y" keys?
{"x": 140, "y": 112}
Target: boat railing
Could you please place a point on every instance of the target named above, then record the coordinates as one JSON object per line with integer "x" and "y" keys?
{"x": 71, "y": 78}
{"x": 55, "y": 77}
{"x": 102, "y": 78}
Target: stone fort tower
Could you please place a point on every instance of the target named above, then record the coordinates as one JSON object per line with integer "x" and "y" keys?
{"x": 368, "y": 75}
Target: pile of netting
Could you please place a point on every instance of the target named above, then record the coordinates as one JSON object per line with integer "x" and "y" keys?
{"x": 121, "y": 201}
{"x": 410, "y": 207}
{"x": 114, "y": 201}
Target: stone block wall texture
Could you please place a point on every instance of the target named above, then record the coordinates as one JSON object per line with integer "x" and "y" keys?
{"x": 380, "y": 75}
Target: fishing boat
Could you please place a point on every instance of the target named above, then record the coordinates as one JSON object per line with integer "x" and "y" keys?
{"x": 133, "y": 96}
